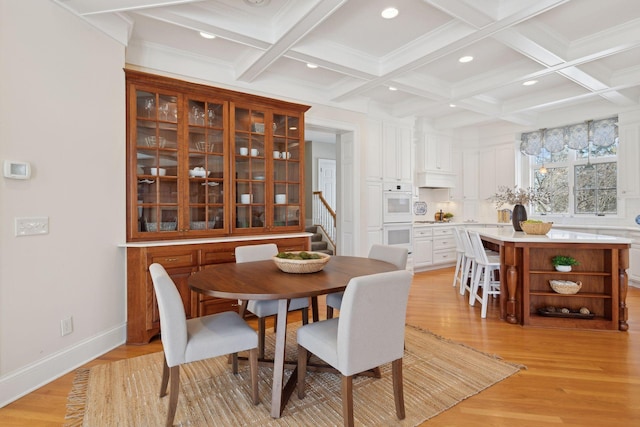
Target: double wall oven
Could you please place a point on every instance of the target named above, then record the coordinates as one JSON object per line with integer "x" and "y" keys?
{"x": 397, "y": 215}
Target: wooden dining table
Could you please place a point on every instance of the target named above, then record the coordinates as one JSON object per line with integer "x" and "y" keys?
{"x": 263, "y": 280}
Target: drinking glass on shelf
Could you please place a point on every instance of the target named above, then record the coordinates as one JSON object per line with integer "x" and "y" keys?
{"x": 164, "y": 108}
{"x": 149, "y": 105}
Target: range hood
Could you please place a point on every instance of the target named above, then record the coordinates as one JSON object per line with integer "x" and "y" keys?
{"x": 436, "y": 180}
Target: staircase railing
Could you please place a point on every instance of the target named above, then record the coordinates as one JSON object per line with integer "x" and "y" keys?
{"x": 324, "y": 217}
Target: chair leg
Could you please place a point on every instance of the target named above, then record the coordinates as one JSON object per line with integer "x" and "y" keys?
{"x": 398, "y": 392}
{"x": 234, "y": 363}
{"x": 329, "y": 312}
{"x": 173, "y": 394}
{"x": 305, "y": 316}
{"x": 485, "y": 292}
{"x": 253, "y": 366}
{"x": 302, "y": 370}
{"x": 165, "y": 377}
{"x": 475, "y": 284}
{"x": 458, "y": 269}
{"x": 347, "y": 400}
{"x": 261, "y": 332}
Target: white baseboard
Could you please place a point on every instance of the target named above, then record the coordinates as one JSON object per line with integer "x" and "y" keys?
{"x": 33, "y": 376}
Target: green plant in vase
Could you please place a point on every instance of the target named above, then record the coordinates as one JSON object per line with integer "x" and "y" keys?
{"x": 563, "y": 262}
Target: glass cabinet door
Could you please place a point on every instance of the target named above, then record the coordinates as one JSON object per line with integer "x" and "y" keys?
{"x": 287, "y": 160}
{"x": 156, "y": 153}
{"x": 206, "y": 160}
{"x": 249, "y": 169}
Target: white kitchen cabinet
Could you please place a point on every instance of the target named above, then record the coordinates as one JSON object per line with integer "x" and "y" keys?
{"x": 397, "y": 148}
{"x": 498, "y": 169}
{"x": 372, "y": 150}
{"x": 433, "y": 247}
{"x": 444, "y": 246}
{"x": 422, "y": 247}
{"x": 470, "y": 174}
{"x": 505, "y": 166}
{"x": 634, "y": 259}
{"x": 374, "y": 212}
{"x": 457, "y": 191}
{"x": 628, "y": 159}
{"x": 434, "y": 153}
{"x": 487, "y": 179}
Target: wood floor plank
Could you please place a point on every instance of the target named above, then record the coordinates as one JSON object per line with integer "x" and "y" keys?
{"x": 573, "y": 378}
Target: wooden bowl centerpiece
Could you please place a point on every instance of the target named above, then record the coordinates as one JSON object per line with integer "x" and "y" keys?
{"x": 301, "y": 261}
{"x": 535, "y": 227}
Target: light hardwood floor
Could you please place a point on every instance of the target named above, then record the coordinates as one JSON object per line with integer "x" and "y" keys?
{"x": 573, "y": 378}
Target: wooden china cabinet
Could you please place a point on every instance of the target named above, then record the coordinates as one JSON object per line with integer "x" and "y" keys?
{"x": 208, "y": 169}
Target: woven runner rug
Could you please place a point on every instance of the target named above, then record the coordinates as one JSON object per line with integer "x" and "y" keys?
{"x": 438, "y": 374}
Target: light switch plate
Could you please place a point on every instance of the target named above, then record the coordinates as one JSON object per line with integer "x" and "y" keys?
{"x": 28, "y": 226}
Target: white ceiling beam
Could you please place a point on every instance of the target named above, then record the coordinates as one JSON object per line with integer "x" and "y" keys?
{"x": 526, "y": 13}
{"x": 165, "y": 15}
{"x": 93, "y": 7}
{"x": 296, "y": 33}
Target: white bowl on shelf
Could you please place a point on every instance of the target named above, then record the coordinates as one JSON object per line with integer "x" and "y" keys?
{"x": 200, "y": 173}
{"x": 158, "y": 171}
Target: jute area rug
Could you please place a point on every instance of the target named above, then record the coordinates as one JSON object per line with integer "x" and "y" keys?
{"x": 438, "y": 374}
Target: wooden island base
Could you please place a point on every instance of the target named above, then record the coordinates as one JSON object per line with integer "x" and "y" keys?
{"x": 526, "y": 297}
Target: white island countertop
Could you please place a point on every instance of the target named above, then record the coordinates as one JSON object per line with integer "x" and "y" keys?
{"x": 507, "y": 234}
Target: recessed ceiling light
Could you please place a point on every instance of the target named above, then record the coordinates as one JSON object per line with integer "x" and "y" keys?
{"x": 466, "y": 59}
{"x": 529, "y": 83}
{"x": 310, "y": 65}
{"x": 392, "y": 88}
{"x": 257, "y": 3}
{"x": 452, "y": 105}
{"x": 389, "y": 13}
{"x": 207, "y": 35}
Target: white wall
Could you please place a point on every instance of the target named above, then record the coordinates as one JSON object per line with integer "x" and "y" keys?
{"x": 62, "y": 108}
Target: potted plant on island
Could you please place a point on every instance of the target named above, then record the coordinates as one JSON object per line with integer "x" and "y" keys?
{"x": 563, "y": 263}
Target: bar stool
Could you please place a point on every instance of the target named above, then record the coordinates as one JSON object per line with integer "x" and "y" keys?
{"x": 486, "y": 266}
{"x": 460, "y": 257}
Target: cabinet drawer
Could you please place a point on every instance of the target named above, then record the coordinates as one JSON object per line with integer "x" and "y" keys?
{"x": 440, "y": 257}
{"x": 443, "y": 243}
{"x": 442, "y": 231}
{"x": 172, "y": 259}
{"x": 422, "y": 232}
{"x": 212, "y": 256}
{"x": 211, "y": 305}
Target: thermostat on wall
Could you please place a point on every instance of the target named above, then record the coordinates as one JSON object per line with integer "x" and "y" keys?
{"x": 17, "y": 170}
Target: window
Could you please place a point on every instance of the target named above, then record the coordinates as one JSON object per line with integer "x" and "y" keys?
{"x": 580, "y": 177}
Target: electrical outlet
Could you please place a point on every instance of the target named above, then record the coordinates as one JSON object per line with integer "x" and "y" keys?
{"x": 66, "y": 326}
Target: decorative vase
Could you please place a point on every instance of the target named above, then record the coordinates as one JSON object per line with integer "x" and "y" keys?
{"x": 519, "y": 214}
{"x": 563, "y": 268}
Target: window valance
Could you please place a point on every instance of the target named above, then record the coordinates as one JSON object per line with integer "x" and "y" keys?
{"x": 601, "y": 133}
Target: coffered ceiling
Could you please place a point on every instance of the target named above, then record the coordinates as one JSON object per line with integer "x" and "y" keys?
{"x": 583, "y": 54}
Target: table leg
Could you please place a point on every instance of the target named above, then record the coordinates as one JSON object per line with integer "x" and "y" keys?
{"x": 278, "y": 363}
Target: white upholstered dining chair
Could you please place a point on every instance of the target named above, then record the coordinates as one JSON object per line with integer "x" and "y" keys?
{"x": 484, "y": 277}
{"x": 361, "y": 338}
{"x": 395, "y": 255}
{"x": 265, "y": 308}
{"x": 189, "y": 340}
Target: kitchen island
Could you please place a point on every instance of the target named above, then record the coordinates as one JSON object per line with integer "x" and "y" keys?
{"x": 526, "y": 297}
